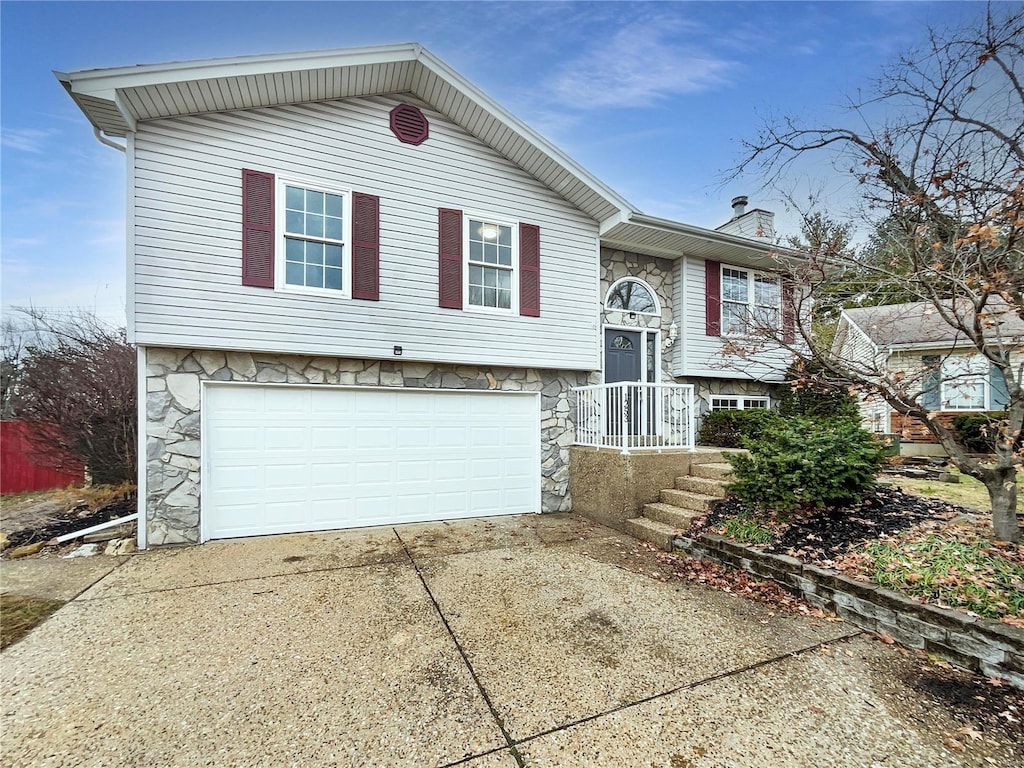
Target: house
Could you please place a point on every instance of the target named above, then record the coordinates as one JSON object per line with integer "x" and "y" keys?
{"x": 364, "y": 293}
{"x": 913, "y": 344}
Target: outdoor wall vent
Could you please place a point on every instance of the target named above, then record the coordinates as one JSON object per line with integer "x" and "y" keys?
{"x": 409, "y": 124}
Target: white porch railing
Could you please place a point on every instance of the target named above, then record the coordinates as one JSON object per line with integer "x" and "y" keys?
{"x": 634, "y": 416}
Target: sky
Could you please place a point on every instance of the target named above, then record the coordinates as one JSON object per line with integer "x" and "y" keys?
{"x": 654, "y": 99}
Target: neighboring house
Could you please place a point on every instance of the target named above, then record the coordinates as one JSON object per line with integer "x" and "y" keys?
{"x": 363, "y": 293}
{"x": 912, "y": 343}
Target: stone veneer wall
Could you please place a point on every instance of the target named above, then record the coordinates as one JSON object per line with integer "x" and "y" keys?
{"x": 173, "y": 450}
{"x": 657, "y": 273}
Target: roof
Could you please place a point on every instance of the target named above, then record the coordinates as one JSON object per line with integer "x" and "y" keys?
{"x": 919, "y": 324}
{"x": 115, "y": 100}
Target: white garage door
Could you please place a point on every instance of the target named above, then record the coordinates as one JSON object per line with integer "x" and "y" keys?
{"x": 287, "y": 459}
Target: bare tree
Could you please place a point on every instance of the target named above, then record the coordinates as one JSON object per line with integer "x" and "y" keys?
{"x": 76, "y": 381}
{"x": 941, "y": 180}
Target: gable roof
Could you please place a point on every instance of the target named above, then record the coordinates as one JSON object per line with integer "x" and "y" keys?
{"x": 115, "y": 100}
{"x": 919, "y": 324}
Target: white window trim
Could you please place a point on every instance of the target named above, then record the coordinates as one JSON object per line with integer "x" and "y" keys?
{"x": 513, "y": 283}
{"x": 739, "y": 402}
{"x": 279, "y": 234}
{"x": 982, "y": 377}
{"x": 646, "y": 285}
{"x": 752, "y": 275}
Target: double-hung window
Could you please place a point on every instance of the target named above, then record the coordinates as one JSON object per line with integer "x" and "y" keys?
{"x": 490, "y": 250}
{"x": 314, "y": 247}
{"x": 964, "y": 382}
{"x": 750, "y": 300}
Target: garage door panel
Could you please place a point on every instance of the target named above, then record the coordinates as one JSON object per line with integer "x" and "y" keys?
{"x": 450, "y": 504}
{"x": 373, "y": 438}
{"x": 282, "y": 459}
{"x": 286, "y": 401}
{"x": 413, "y": 438}
{"x": 373, "y": 472}
{"x": 329, "y": 437}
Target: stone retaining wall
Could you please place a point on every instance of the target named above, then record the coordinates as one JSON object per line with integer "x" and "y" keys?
{"x": 173, "y": 447}
{"x": 981, "y": 645}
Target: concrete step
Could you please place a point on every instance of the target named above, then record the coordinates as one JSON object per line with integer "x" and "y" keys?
{"x": 660, "y": 535}
{"x": 713, "y": 471}
{"x": 680, "y": 519}
{"x": 704, "y": 485}
{"x": 707, "y": 457}
{"x": 698, "y": 502}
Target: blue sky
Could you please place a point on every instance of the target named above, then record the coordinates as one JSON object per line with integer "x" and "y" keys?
{"x": 652, "y": 98}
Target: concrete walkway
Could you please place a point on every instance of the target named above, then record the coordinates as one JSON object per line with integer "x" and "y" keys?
{"x": 537, "y": 641}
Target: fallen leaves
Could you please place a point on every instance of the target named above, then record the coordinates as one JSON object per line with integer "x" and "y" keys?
{"x": 736, "y": 582}
{"x": 953, "y": 744}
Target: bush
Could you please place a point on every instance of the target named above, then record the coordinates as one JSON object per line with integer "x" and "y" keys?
{"x": 728, "y": 429}
{"x": 978, "y": 430}
{"x": 808, "y": 393}
{"x": 803, "y": 463}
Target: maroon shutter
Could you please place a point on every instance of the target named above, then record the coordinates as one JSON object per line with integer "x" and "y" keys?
{"x": 449, "y": 268}
{"x": 257, "y": 229}
{"x": 788, "y": 311}
{"x": 713, "y": 298}
{"x": 365, "y": 246}
{"x": 529, "y": 270}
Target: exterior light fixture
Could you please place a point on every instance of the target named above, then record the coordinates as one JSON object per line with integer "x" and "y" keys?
{"x": 673, "y": 334}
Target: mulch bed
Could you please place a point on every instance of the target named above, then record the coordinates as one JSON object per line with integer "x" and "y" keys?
{"x": 72, "y": 520}
{"x": 825, "y": 535}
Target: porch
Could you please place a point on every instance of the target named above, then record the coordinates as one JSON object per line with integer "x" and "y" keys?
{"x": 635, "y": 416}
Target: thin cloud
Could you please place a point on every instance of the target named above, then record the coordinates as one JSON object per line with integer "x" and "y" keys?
{"x": 639, "y": 67}
{"x": 26, "y": 139}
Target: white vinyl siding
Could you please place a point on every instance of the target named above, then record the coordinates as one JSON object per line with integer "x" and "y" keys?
{"x": 704, "y": 354}
{"x": 187, "y": 230}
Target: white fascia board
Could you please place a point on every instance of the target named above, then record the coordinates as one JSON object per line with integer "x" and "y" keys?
{"x": 713, "y": 236}
{"x": 948, "y": 345}
{"x": 103, "y": 82}
{"x": 130, "y": 118}
{"x": 442, "y": 70}
{"x": 851, "y": 323}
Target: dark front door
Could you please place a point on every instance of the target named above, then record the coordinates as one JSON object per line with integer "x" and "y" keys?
{"x": 622, "y": 358}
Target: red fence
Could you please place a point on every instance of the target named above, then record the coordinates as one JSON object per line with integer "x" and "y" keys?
{"x": 21, "y": 470}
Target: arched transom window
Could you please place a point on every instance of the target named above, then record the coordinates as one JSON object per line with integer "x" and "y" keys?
{"x": 632, "y": 295}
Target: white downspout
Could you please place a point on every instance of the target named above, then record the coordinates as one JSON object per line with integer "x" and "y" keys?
{"x": 104, "y": 140}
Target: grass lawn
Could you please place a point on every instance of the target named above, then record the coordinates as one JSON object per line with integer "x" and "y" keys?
{"x": 968, "y": 492}
{"x": 18, "y": 615}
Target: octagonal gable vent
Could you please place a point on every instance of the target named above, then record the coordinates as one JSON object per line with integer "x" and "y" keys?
{"x": 409, "y": 124}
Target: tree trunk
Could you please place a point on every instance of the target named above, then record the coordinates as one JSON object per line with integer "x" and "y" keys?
{"x": 1002, "y": 491}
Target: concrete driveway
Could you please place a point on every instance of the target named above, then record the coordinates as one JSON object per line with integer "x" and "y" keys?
{"x": 538, "y": 641}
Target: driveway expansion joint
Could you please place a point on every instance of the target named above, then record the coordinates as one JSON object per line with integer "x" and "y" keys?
{"x": 499, "y": 721}
{"x": 690, "y": 686}
{"x": 222, "y": 582}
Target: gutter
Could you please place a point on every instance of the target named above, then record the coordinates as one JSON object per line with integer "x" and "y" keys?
{"x": 106, "y": 141}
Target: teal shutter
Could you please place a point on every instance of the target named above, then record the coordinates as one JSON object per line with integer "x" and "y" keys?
{"x": 931, "y": 382}
{"x": 999, "y": 396}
